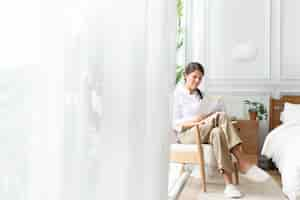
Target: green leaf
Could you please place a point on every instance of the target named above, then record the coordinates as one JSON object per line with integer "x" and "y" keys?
{"x": 258, "y": 107}
{"x": 179, "y": 73}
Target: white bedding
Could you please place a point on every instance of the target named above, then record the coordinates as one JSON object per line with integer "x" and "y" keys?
{"x": 282, "y": 145}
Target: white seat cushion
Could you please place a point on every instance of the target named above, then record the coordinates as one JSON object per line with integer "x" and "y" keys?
{"x": 209, "y": 157}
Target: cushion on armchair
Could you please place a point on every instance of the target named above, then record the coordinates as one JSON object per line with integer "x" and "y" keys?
{"x": 209, "y": 158}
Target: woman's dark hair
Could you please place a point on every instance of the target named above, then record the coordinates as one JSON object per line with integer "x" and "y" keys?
{"x": 191, "y": 67}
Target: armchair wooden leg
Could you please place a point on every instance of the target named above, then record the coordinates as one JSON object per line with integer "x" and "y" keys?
{"x": 201, "y": 159}
{"x": 202, "y": 177}
{"x": 235, "y": 174}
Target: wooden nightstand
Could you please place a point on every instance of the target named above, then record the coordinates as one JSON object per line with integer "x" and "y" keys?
{"x": 248, "y": 132}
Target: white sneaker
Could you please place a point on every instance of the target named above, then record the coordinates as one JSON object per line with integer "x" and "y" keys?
{"x": 256, "y": 174}
{"x": 231, "y": 191}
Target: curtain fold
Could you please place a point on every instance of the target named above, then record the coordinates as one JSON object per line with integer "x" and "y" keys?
{"x": 139, "y": 71}
{"x": 102, "y": 100}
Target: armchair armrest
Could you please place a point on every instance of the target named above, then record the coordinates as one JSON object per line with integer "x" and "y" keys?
{"x": 197, "y": 123}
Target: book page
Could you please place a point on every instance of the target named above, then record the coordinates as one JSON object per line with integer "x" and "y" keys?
{"x": 211, "y": 104}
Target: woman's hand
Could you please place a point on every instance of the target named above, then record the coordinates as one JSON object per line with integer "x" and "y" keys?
{"x": 202, "y": 116}
{"x": 196, "y": 119}
{"x": 199, "y": 117}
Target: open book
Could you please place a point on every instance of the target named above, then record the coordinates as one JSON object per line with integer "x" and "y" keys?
{"x": 212, "y": 104}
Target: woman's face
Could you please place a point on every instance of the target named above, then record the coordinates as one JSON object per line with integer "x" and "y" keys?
{"x": 193, "y": 79}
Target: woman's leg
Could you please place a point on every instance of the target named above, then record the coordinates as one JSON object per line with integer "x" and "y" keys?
{"x": 243, "y": 163}
{"x": 188, "y": 136}
{"x": 228, "y": 129}
{"x": 233, "y": 140}
{"x": 222, "y": 154}
{"x": 216, "y": 137}
{"x": 227, "y": 178}
{"x": 225, "y": 165}
{"x": 250, "y": 171}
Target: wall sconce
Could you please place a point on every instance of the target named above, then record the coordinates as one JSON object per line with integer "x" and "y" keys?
{"x": 244, "y": 52}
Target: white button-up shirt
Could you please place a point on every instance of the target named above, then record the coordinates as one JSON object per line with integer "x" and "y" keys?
{"x": 186, "y": 106}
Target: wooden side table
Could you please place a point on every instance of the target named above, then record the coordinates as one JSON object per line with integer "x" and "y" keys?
{"x": 248, "y": 132}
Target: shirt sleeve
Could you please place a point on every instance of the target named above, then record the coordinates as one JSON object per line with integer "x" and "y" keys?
{"x": 177, "y": 113}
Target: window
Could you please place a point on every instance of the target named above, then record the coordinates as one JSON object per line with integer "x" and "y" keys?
{"x": 180, "y": 40}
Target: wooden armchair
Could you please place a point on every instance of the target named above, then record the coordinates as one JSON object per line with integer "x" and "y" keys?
{"x": 196, "y": 154}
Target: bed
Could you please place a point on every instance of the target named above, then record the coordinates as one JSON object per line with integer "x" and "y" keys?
{"x": 282, "y": 144}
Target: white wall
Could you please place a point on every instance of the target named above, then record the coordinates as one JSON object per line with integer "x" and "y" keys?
{"x": 250, "y": 49}
{"x": 238, "y": 40}
{"x": 290, "y": 41}
{"x": 249, "y": 46}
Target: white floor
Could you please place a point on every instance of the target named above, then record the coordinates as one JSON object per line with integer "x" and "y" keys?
{"x": 269, "y": 190}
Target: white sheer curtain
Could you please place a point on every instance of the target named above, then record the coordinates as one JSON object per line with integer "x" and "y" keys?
{"x": 197, "y": 33}
{"x": 98, "y": 111}
{"x": 19, "y": 58}
{"x": 138, "y": 63}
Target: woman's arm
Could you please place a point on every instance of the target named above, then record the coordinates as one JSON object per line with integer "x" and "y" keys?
{"x": 199, "y": 119}
{"x": 179, "y": 123}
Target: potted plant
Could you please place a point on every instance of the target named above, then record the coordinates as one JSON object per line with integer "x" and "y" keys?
{"x": 256, "y": 110}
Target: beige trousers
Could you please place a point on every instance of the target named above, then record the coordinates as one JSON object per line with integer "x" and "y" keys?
{"x": 218, "y": 131}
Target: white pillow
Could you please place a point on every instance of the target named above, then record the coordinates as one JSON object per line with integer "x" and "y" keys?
{"x": 290, "y": 113}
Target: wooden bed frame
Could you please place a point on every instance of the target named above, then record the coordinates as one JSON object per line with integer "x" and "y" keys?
{"x": 276, "y": 106}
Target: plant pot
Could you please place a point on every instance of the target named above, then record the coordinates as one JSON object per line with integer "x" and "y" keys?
{"x": 252, "y": 115}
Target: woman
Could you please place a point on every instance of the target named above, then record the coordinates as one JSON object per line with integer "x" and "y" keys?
{"x": 215, "y": 129}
